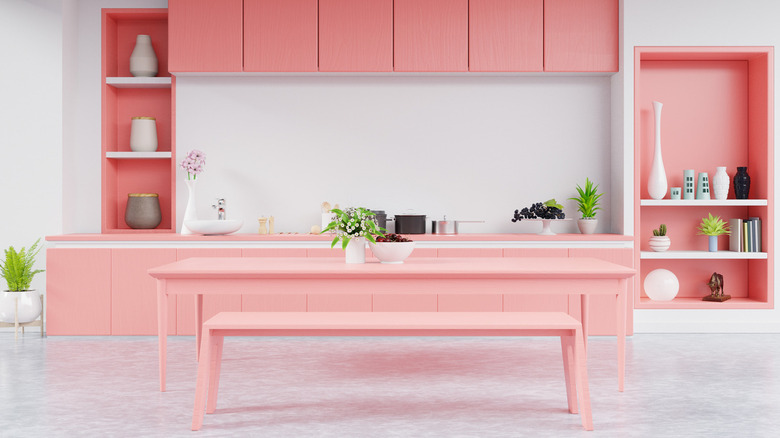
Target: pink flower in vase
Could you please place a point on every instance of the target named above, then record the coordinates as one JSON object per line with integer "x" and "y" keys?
{"x": 193, "y": 163}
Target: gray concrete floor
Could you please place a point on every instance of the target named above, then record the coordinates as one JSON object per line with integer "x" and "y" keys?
{"x": 677, "y": 385}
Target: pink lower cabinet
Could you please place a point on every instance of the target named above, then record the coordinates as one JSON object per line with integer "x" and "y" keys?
{"x": 506, "y": 35}
{"x": 581, "y": 35}
{"x": 602, "y": 308}
{"x": 273, "y": 302}
{"x": 476, "y": 302}
{"x": 331, "y": 301}
{"x": 212, "y": 304}
{"x": 431, "y": 35}
{"x": 78, "y": 291}
{"x": 134, "y": 292}
{"x": 536, "y": 303}
{"x": 356, "y": 35}
{"x": 280, "y": 35}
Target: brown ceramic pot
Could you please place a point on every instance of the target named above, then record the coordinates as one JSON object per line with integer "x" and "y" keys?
{"x": 143, "y": 211}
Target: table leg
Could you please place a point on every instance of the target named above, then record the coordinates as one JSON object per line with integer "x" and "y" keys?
{"x": 162, "y": 328}
{"x": 584, "y": 317}
{"x": 621, "y": 331}
{"x": 198, "y": 323}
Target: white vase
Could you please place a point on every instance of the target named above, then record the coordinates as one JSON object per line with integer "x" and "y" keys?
{"x": 356, "y": 250}
{"x": 720, "y": 183}
{"x": 587, "y": 225}
{"x": 143, "y": 134}
{"x": 29, "y": 306}
{"x": 656, "y": 183}
{"x": 143, "y": 61}
{"x": 189, "y": 211}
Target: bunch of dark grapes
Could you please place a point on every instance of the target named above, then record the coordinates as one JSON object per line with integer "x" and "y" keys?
{"x": 539, "y": 211}
{"x": 390, "y": 237}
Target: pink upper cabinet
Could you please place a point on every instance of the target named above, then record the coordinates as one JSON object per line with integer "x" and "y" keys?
{"x": 205, "y": 35}
{"x": 581, "y": 35}
{"x": 280, "y": 35}
{"x": 356, "y": 35}
{"x": 506, "y": 35}
{"x": 431, "y": 35}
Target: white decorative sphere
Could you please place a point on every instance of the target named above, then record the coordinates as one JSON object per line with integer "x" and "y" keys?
{"x": 661, "y": 285}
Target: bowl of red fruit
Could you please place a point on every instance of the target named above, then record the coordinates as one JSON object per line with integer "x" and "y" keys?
{"x": 392, "y": 248}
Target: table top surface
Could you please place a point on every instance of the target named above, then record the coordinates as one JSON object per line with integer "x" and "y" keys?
{"x": 415, "y": 267}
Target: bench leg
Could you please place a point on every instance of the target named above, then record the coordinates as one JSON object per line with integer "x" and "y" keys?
{"x": 201, "y": 387}
{"x": 583, "y": 393}
{"x": 567, "y": 349}
{"x": 216, "y": 366}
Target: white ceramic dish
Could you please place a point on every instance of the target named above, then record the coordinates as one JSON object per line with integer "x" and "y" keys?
{"x": 214, "y": 226}
{"x": 392, "y": 252}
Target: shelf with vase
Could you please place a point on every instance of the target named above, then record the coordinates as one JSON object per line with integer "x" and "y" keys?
{"x": 702, "y": 255}
{"x": 139, "y": 82}
{"x": 717, "y": 118}
{"x": 138, "y": 155}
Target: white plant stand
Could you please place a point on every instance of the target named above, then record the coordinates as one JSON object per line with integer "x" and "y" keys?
{"x": 16, "y": 324}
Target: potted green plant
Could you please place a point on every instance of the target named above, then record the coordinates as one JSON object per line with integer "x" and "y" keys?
{"x": 660, "y": 241}
{"x": 353, "y": 226}
{"x": 713, "y": 226}
{"x": 587, "y": 204}
{"x": 19, "y": 303}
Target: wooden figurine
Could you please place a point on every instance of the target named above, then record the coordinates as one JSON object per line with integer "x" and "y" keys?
{"x": 716, "y": 288}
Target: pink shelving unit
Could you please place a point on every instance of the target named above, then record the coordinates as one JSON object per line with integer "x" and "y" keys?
{"x": 718, "y": 111}
{"x": 125, "y": 96}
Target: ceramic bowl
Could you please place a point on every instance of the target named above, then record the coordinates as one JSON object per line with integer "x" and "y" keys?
{"x": 392, "y": 252}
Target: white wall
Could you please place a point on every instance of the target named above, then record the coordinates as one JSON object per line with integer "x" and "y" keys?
{"x": 30, "y": 124}
{"x": 467, "y": 147}
{"x": 701, "y": 23}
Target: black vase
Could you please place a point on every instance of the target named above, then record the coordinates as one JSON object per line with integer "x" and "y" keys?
{"x": 741, "y": 183}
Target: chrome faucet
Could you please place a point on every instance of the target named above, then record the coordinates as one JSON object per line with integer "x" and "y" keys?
{"x": 220, "y": 206}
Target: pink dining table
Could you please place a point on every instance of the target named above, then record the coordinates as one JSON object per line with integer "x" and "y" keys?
{"x": 583, "y": 276}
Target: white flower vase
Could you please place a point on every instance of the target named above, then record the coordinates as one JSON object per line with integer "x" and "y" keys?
{"x": 189, "y": 212}
{"x": 656, "y": 183}
{"x": 143, "y": 60}
{"x": 720, "y": 183}
{"x": 356, "y": 250}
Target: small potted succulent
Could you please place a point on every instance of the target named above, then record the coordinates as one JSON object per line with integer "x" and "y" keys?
{"x": 353, "y": 226}
{"x": 713, "y": 226}
{"x": 660, "y": 241}
{"x": 20, "y": 303}
{"x": 392, "y": 248}
{"x": 587, "y": 204}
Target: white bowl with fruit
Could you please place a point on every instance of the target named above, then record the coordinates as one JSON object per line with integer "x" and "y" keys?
{"x": 392, "y": 248}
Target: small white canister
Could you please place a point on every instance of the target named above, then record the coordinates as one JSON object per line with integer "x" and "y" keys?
{"x": 143, "y": 134}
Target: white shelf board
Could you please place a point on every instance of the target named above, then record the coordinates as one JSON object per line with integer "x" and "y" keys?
{"x": 704, "y": 255}
{"x": 137, "y": 155}
{"x": 702, "y": 202}
{"x": 133, "y": 82}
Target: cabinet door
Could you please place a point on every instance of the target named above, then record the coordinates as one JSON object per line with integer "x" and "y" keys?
{"x": 476, "y": 302}
{"x": 134, "y": 292}
{"x": 78, "y": 291}
{"x": 212, "y": 304}
{"x": 431, "y": 35}
{"x": 552, "y": 302}
{"x": 581, "y": 35}
{"x": 205, "y": 35}
{"x": 280, "y": 35}
{"x": 506, "y": 35}
{"x": 280, "y": 301}
{"x": 356, "y": 35}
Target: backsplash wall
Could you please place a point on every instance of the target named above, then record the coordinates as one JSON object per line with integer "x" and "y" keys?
{"x": 473, "y": 148}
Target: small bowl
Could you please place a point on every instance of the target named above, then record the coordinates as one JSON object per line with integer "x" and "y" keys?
{"x": 392, "y": 252}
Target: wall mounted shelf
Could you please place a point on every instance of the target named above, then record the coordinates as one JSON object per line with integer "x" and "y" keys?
{"x": 137, "y": 155}
{"x": 703, "y": 203}
{"x": 702, "y": 255}
{"x": 133, "y": 82}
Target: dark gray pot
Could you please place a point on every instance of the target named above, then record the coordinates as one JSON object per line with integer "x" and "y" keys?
{"x": 143, "y": 211}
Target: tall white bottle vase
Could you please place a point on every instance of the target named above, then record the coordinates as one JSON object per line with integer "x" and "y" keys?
{"x": 656, "y": 183}
{"x": 189, "y": 212}
{"x": 143, "y": 60}
{"x": 721, "y": 183}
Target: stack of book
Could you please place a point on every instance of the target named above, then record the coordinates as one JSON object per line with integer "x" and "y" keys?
{"x": 745, "y": 235}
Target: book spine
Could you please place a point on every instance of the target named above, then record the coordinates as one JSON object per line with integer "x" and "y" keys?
{"x": 745, "y": 239}
{"x": 755, "y": 229}
{"x": 735, "y": 238}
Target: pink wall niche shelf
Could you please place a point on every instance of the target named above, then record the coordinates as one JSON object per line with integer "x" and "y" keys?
{"x": 123, "y": 97}
{"x": 718, "y": 111}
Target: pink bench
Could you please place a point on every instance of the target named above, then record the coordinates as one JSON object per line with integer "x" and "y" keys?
{"x": 393, "y": 324}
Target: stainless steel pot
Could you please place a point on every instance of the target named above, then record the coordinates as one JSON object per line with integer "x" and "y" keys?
{"x": 410, "y": 224}
{"x": 448, "y": 227}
